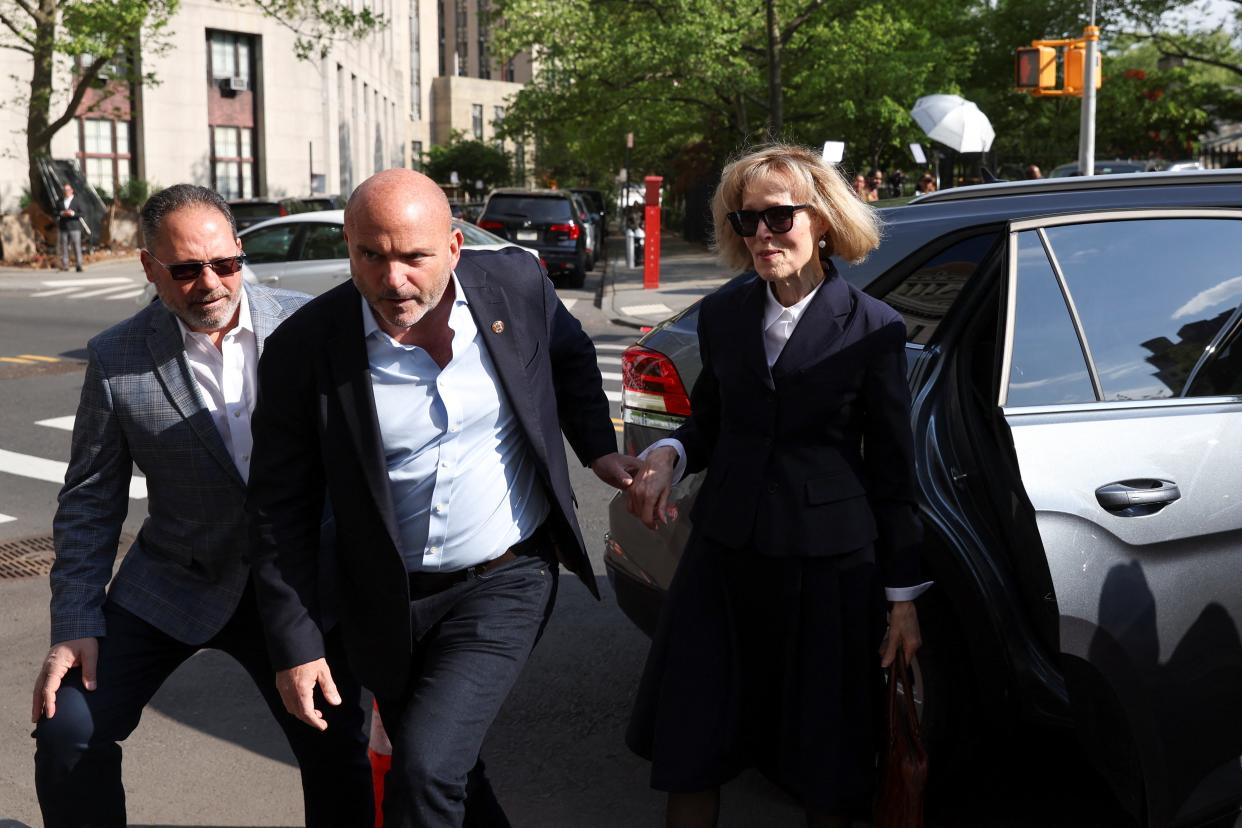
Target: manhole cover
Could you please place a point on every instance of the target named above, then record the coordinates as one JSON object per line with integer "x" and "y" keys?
{"x": 32, "y": 557}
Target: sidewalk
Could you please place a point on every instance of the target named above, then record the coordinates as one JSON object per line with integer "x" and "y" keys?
{"x": 688, "y": 272}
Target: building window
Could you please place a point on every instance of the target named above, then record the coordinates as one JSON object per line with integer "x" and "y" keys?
{"x": 463, "y": 38}
{"x": 345, "y": 161}
{"x": 104, "y": 151}
{"x": 230, "y": 56}
{"x": 232, "y": 161}
{"x": 484, "y": 27}
{"x": 416, "y": 155}
{"x": 476, "y": 121}
{"x": 442, "y": 14}
{"x": 519, "y": 161}
{"x": 498, "y": 118}
{"x": 510, "y": 71}
{"x": 416, "y": 81}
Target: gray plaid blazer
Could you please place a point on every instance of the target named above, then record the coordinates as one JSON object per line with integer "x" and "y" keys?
{"x": 184, "y": 573}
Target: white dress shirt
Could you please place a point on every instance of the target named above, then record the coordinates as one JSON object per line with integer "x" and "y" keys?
{"x": 463, "y": 478}
{"x": 225, "y": 378}
{"x": 779, "y": 323}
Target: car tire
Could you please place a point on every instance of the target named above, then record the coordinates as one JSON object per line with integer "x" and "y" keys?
{"x": 577, "y": 277}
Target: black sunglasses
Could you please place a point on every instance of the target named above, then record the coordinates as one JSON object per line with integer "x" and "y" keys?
{"x": 185, "y": 271}
{"x": 778, "y": 219}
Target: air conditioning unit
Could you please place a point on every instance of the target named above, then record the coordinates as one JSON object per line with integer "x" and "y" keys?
{"x": 234, "y": 85}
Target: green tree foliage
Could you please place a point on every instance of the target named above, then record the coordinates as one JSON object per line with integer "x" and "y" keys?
{"x": 473, "y": 161}
{"x": 99, "y": 44}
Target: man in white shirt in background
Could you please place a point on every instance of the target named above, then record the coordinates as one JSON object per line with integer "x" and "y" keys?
{"x": 171, "y": 390}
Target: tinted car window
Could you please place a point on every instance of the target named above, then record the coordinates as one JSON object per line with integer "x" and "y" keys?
{"x": 477, "y": 235}
{"x": 254, "y": 210}
{"x": 924, "y": 297}
{"x": 269, "y": 244}
{"x": 1151, "y": 294}
{"x": 534, "y": 208}
{"x": 1047, "y": 366}
{"x": 324, "y": 241}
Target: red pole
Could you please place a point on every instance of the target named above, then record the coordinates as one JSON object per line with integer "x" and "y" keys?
{"x": 651, "y": 242}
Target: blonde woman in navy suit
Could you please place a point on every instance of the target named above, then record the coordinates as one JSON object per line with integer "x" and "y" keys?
{"x": 769, "y": 650}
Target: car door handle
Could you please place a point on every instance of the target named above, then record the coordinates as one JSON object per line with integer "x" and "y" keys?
{"x": 1148, "y": 495}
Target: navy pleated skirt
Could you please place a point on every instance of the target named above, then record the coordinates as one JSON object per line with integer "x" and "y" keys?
{"x": 766, "y": 662}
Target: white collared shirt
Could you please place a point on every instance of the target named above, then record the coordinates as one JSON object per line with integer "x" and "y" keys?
{"x": 226, "y": 378}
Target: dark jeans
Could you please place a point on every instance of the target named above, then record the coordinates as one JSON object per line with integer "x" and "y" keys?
{"x": 472, "y": 641}
{"x": 78, "y": 760}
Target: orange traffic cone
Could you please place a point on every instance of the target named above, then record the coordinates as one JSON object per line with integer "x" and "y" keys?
{"x": 380, "y": 753}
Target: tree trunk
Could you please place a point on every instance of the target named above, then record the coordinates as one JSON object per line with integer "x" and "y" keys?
{"x": 39, "y": 110}
{"x": 776, "y": 115}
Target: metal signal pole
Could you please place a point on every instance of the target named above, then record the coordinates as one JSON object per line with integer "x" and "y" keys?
{"x": 1086, "y": 127}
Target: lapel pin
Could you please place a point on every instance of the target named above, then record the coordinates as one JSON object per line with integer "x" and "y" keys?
{"x": 498, "y": 327}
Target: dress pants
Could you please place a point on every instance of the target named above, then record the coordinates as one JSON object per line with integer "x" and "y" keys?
{"x": 471, "y": 642}
{"x": 78, "y": 760}
{"x": 70, "y": 238}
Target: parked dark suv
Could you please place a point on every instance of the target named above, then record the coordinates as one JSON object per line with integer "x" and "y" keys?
{"x": 1075, "y": 356}
{"x": 546, "y": 220}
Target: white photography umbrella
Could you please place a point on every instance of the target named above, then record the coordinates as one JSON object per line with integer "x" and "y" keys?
{"x": 955, "y": 122}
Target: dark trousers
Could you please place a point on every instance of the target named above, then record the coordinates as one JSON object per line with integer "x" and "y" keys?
{"x": 78, "y": 760}
{"x": 472, "y": 640}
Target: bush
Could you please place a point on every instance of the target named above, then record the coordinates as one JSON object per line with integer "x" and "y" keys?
{"x": 133, "y": 193}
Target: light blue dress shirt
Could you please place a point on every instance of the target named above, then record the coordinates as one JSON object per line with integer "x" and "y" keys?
{"x": 462, "y": 476}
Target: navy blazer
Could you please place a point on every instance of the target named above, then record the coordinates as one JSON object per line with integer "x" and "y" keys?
{"x": 315, "y": 425}
{"x": 814, "y": 457}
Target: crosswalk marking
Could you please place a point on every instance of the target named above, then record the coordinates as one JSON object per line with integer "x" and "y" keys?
{"x": 18, "y": 360}
{"x": 129, "y": 294}
{"x": 92, "y": 282}
{"x": 613, "y": 396}
{"x": 101, "y": 291}
{"x": 53, "y": 471}
{"x": 609, "y": 346}
{"x": 609, "y": 376}
{"x": 38, "y": 358}
{"x": 7, "y": 518}
{"x": 643, "y": 310}
{"x": 608, "y": 360}
{"x": 569, "y": 303}
{"x": 54, "y": 292}
{"x": 64, "y": 423}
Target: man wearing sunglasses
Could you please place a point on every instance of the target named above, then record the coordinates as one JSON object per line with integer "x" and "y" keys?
{"x": 170, "y": 390}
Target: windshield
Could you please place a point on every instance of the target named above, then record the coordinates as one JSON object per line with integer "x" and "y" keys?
{"x": 535, "y": 208}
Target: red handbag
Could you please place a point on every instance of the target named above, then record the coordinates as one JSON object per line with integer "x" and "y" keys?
{"x": 904, "y": 770}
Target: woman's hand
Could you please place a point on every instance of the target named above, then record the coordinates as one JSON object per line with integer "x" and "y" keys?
{"x": 648, "y": 493}
{"x": 903, "y": 632}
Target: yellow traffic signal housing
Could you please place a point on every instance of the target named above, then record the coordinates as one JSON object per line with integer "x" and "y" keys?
{"x": 1075, "y": 58}
{"x": 1035, "y": 67}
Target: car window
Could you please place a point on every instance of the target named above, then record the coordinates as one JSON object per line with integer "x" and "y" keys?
{"x": 1047, "y": 366}
{"x": 324, "y": 241}
{"x": 924, "y": 297}
{"x": 269, "y": 244}
{"x": 255, "y": 210}
{"x": 1152, "y": 294}
{"x": 535, "y": 208}
{"x": 474, "y": 235}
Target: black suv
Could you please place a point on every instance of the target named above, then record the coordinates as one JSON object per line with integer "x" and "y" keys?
{"x": 1075, "y": 358}
{"x": 546, "y": 220}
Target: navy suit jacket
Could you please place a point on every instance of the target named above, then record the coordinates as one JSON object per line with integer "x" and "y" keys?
{"x": 815, "y": 456}
{"x": 316, "y": 425}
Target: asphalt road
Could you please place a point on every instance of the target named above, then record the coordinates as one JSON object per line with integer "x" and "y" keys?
{"x": 207, "y": 754}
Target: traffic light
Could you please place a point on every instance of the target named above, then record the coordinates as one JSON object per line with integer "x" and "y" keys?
{"x": 1035, "y": 67}
{"x": 1075, "y": 57}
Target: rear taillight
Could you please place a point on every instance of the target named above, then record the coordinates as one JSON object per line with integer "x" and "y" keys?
{"x": 283, "y": 211}
{"x": 651, "y": 387}
{"x": 570, "y": 229}
{"x": 491, "y": 224}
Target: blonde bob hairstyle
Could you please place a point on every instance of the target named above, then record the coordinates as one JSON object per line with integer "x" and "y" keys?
{"x": 853, "y": 227}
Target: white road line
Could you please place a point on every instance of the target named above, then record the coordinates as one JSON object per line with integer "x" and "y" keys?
{"x": 101, "y": 291}
{"x": 77, "y": 283}
{"x": 609, "y": 346}
{"x": 608, "y": 360}
{"x": 53, "y": 471}
{"x": 609, "y": 376}
{"x": 129, "y": 294}
{"x": 7, "y": 518}
{"x": 636, "y": 310}
{"x": 64, "y": 423}
{"x": 569, "y": 303}
{"x": 614, "y": 396}
{"x": 57, "y": 292}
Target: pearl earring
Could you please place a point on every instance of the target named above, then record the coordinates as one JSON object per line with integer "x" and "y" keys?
{"x": 822, "y": 244}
